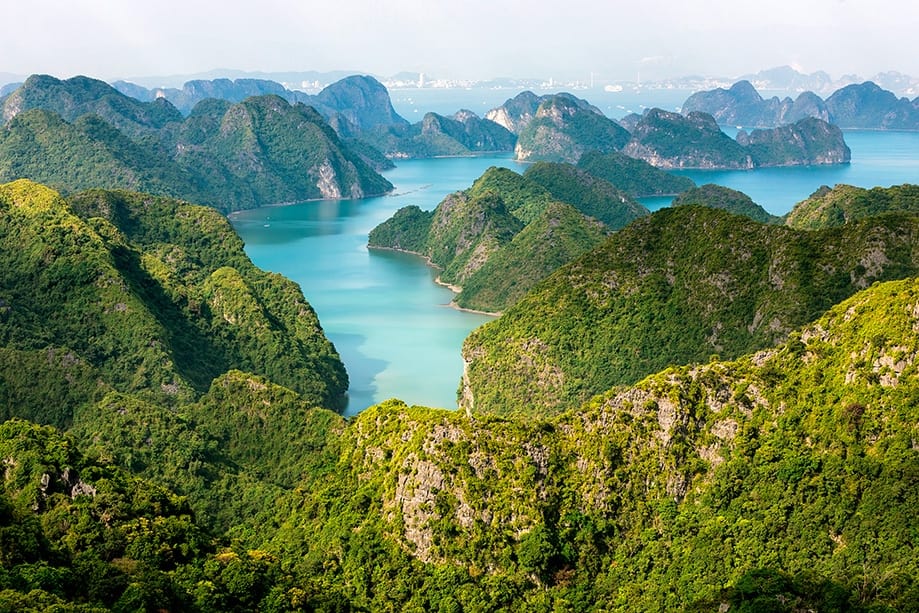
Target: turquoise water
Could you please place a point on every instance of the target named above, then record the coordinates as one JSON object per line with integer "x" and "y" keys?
{"x": 878, "y": 159}
{"x": 388, "y": 319}
{"x": 391, "y": 323}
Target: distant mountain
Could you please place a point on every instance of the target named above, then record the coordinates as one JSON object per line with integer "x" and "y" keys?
{"x": 517, "y": 112}
{"x": 675, "y": 287}
{"x": 672, "y": 140}
{"x": 507, "y": 232}
{"x": 79, "y": 96}
{"x": 465, "y": 133}
{"x": 357, "y": 104}
{"x": 855, "y": 106}
{"x": 845, "y": 204}
{"x": 726, "y": 199}
{"x": 259, "y": 151}
{"x": 353, "y": 104}
{"x": 807, "y": 142}
{"x": 562, "y": 130}
{"x": 635, "y": 177}
{"x": 742, "y": 105}
{"x": 867, "y": 106}
{"x": 786, "y": 78}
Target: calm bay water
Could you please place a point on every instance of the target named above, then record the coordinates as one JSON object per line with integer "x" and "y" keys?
{"x": 390, "y": 321}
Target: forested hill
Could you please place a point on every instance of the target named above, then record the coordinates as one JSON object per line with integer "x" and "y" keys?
{"x": 508, "y": 231}
{"x": 678, "y": 286}
{"x": 142, "y": 295}
{"x": 82, "y": 133}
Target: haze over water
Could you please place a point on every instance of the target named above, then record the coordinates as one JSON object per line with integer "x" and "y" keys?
{"x": 388, "y": 319}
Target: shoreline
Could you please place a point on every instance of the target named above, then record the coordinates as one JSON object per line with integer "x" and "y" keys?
{"x": 456, "y": 289}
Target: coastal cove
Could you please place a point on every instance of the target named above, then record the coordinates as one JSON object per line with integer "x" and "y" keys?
{"x": 392, "y": 324}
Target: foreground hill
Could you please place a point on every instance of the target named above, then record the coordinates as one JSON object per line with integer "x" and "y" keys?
{"x": 784, "y": 481}
{"x": 727, "y": 199}
{"x": 153, "y": 296}
{"x": 675, "y": 287}
{"x": 764, "y": 480}
{"x": 636, "y": 177}
{"x": 508, "y": 231}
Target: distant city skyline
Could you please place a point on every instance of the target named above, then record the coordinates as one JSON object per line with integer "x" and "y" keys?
{"x": 476, "y": 39}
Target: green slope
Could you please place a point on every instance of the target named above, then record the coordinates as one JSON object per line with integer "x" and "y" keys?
{"x": 590, "y": 195}
{"x": 845, "y": 204}
{"x": 726, "y": 199}
{"x": 155, "y": 294}
{"x": 675, "y": 287}
{"x": 633, "y": 176}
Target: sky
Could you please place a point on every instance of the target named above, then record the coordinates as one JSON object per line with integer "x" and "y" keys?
{"x": 461, "y": 39}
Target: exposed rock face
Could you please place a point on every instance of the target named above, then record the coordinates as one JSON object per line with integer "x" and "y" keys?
{"x": 563, "y": 129}
{"x": 517, "y": 113}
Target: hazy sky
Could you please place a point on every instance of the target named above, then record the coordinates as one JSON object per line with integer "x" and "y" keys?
{"x": 112, "y": 39}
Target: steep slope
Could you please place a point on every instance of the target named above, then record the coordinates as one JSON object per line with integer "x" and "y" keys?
{"x": 761, "y": 484}
{"x": 78, "y": 96}
{"x": 273, "y": 152}
{"x": 590, "y": 195}
{"x": 40, "y": 146}
{"x": 154, "y": 295}
{"x": 724, "y": 198}
{"x": 846, "y": 204}
{"x": 636, "y": 177}
{"x": 559, "y": 235}
{"x": 562, "y": 130}
{"x": 678, "y": 286}
{"x": 671, "y": 140}
{"x": 506, "y": 232}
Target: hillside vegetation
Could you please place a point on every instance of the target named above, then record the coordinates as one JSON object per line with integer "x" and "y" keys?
{"x": 508, "y": 231}
{"x": 846, "y": 204}
{"x": 676, "y": 287}
{"x": 82, "y": 133}
{"x": 785, "y": 480}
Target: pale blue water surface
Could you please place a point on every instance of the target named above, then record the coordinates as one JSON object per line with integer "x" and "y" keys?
{"x": 391, "y": 323}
